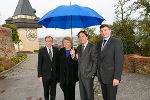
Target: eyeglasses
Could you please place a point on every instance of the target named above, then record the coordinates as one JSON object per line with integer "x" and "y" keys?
{"x": 48, "y": 41}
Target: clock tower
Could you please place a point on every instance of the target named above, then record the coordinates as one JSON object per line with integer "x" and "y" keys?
{"x": 24, "y": 19}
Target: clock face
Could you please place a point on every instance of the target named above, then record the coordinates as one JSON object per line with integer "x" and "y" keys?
{"x": 31, "y": 34}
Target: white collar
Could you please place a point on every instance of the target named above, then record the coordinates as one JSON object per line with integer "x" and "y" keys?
{"x": 106, "y": 38}
{"x": 49, "y": 48}
{"x": 85, "y": 44}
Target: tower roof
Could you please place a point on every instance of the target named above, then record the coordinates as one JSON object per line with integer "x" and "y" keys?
{"x": 24, "y": 8}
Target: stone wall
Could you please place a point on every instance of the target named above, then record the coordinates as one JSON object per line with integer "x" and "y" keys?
{"x": 137, "y": 63}
{"x": 7, "y": 49}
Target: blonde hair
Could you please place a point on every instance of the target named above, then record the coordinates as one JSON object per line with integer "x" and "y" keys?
{"x": 67, "y": 38}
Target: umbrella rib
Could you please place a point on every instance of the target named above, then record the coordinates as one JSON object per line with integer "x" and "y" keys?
{"x": 98, "y": 20}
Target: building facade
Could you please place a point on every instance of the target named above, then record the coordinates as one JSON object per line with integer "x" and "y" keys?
{"x": 24, "y": 19}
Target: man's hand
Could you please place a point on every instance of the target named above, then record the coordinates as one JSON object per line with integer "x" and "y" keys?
{"x": 40, "y": 79}
{"x": 115, "y": 82}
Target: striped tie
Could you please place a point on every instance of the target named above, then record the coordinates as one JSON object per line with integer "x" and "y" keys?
{"x": 50, "y": 54}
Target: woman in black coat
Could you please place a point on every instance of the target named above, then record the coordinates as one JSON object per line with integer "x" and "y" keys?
{"x": 68, "y": 70}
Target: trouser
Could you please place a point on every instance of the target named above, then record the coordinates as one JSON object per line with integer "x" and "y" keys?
{"x": 69, "y": 91}
{"x": 86, "y": 88}
{"x": 109, "y": 91}
{"x": 49, "y": 86}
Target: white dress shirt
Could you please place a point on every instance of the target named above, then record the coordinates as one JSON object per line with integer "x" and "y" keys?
{"x": 85, "y": 44}
{"x": 103, "y": 45}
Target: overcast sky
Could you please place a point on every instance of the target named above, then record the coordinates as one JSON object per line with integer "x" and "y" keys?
{"x": 104, "y": 7}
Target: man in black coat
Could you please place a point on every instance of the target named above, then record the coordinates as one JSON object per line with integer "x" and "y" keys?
{"x": 47, "y": 59}
{"x": 110, "y": 62}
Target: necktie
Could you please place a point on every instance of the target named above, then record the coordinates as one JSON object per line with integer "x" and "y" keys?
{"x": 83, "y": 48}
{"x": 50, "y": 54}
{"x": 104, "y": 43}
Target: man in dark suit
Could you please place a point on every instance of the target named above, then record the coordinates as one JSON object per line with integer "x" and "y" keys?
{"x": 87, "y": 63}
{"x": 47, "y": 68}
{"x": 110, "y": 62}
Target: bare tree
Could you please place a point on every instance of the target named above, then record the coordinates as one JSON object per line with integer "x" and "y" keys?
{"x": 123, "y": 9}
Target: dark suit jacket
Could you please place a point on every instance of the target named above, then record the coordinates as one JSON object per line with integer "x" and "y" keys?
{"x": 87, "y": 62}
{"x": 45, "y": 65}
{"x": 70, "y": 76}
{"x": 110, "y": 60}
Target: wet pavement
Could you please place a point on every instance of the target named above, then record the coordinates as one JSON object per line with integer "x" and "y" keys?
{"x": 21, "y": 83}
{"x": 134, "y": 86}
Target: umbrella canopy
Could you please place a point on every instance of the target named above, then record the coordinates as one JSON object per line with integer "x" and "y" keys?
{"x": 71, "y": 16}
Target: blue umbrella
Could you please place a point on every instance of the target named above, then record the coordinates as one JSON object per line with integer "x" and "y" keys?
{"x": 71, "y": 16}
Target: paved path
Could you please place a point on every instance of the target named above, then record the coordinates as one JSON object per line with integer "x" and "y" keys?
{"x": 134, "y": 87}
{"x": 21, "y": 83}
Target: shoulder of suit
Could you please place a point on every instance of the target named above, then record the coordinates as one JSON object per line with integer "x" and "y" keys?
{"x": 91, "y": 44}
{"x": 55, "y": 48}
{"x": 115, "y": 39}
{"x": 99, "y": 41}
{"x": 62, "y": 49}
{"x": 42, "y": 48}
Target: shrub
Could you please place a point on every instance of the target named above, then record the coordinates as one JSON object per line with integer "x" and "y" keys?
{"x": 18, "y": 58}
{"x": 8, "y": 63}
{"x": 15, "y": 60}
{"x": 36, "y": 51}
{"x": 2, "y": 68}
{"x": 1, "y": 64}
{"x": 2, "y": 58}
{"x": 6, "y": 67}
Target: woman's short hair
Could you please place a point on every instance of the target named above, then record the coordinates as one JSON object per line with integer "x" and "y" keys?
{"x": 67, "y": 38}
